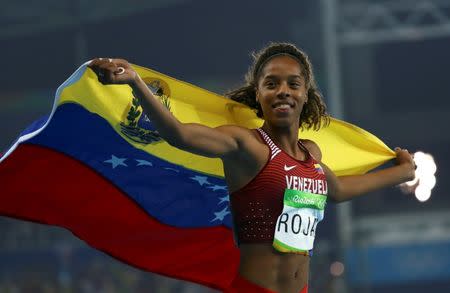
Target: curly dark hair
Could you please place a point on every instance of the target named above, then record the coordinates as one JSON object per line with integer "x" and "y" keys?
{"x": 314, "y": 114}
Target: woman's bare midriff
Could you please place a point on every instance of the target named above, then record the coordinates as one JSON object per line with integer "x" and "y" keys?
{"x": 280, "y": 272}
{"x": 260, "y": 263}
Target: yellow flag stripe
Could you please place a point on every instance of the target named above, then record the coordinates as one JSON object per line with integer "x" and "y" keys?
{"x": 346, "y": 149}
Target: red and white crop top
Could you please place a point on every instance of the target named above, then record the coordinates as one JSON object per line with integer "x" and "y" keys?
{"x": 256, "y": 206}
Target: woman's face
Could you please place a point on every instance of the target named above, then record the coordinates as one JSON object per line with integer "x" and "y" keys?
{"x": 281, "y": 91}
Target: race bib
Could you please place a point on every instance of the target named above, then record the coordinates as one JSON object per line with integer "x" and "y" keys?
{"x": 296, "y": 226}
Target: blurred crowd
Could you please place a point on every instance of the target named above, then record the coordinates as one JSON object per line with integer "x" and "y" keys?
{"x": 37, "y": 258}
{"x": 97, "y": 276}
{"x": 40, "y": 259}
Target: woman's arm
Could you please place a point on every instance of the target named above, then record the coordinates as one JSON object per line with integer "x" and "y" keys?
{"x": 196, "y": 138}
{"x": 344, "y": 188}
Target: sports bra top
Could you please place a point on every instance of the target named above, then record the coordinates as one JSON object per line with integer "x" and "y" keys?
{"x": 256, "y": 206}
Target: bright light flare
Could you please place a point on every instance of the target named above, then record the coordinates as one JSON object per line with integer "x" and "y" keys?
{"x": 425, "y": 180}
{"x": 422, "y": 193}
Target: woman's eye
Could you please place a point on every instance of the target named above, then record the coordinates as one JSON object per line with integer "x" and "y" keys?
{"x": 295, "y": 85}
{"x": 270, "y": 84}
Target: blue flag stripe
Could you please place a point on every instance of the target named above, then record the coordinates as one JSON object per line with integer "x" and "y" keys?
{"x": 172, "y": 194}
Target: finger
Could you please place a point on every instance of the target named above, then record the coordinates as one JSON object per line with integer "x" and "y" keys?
{"x": 113, "y": 72}
{"x": 121, "y": 66}
{"x": 122, "y": 62}
{"x": 95, "y": 62}
{"x": 120, "y": 70}
{"x": 108, "y": 64}
{"x": 108, "y": 70}
{"x": 100, "y": 60}
{"x": 103, "y": 72}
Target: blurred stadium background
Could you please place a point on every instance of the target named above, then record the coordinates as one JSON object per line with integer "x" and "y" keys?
{"x": 383, "y": 65}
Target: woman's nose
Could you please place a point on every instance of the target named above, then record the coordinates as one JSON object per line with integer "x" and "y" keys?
{"x": 283, "y": 91}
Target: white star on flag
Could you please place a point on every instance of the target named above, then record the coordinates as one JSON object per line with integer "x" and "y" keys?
{"x": 217, "y": 187}
{"x": 201, "y": 179}
{"x": 115, "y": 161}
{"x": 224, "y": 199}
{"x": 220, "y": 215}
{"x": 144, "y": 163}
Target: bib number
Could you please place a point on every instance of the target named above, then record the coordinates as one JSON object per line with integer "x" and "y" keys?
{"x": 295, "y": 230}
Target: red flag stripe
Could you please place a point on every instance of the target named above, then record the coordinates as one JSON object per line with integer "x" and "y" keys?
{"x": 42, "y": 185}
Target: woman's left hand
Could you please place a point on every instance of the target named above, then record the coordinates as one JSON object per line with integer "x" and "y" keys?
{"x": 405, "y": 159}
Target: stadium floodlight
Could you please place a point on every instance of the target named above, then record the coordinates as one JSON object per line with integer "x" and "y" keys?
{"x": 425, "y": 180}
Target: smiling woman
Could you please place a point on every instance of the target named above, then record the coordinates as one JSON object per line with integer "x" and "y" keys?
{"x": 282, "y": 74}
{"x": 313, "y": 113}
{"x": 277, "y": 182}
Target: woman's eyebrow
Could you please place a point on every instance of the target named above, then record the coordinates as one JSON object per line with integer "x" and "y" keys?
{"x": 273, "y": 76}
{"x": 296, "y": 76}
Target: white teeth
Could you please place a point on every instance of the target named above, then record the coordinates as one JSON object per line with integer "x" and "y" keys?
{"x": 283, "y": 106}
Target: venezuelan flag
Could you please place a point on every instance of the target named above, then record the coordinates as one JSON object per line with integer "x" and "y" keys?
{"x": 319, "y": 168}
{"x": 98, "y": 167}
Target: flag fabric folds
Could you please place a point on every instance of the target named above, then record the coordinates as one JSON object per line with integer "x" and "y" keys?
{"x": 97, "y": 167}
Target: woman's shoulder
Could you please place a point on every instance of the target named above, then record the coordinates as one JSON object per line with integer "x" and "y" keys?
{"x": 252, "y": 152}
{"x": 235, "y": 130}
{"x": 245, "y": 136}
{"x": 313, "y": 148}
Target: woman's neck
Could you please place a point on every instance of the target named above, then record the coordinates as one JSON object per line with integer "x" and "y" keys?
{"x": 284, "y": 137}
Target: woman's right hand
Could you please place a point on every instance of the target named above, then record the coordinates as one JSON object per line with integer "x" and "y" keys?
{"x": 114, "y": 71}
